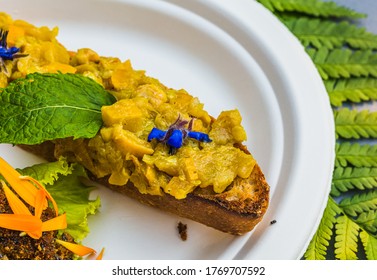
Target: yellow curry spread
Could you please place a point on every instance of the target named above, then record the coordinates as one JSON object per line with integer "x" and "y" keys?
{"x": 121, "y": 149}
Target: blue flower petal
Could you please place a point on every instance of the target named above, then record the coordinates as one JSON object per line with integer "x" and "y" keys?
{"x": 176, "y": 134}
{"x": 5, "y": 52}
{"x": 176, "y": 139}
{"x": 200, "y": 136}
{"x": 156, "y": 134}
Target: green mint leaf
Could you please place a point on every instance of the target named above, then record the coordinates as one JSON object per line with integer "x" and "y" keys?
{"x": 43, "y": 107}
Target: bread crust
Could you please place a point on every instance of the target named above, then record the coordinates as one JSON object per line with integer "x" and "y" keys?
{"x": 229, "y": 211}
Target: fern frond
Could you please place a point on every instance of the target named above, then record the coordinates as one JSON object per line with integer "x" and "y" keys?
{"x": 346, "y": 238}
{"x": 356, "y": 155}
{"x": 355, "y": 124}
{"x": 310, "y": 7}
{"x": 318, "y": 246}
{"x": 330, "y": 34}
{"x": 368, "y": 221}
{"x": 349, "y": 178}
{"x": 359, "y": 203}
{"x": 355, "y": 90}
{"x": 369, "y": 244}
{"x": 344, "y": 63}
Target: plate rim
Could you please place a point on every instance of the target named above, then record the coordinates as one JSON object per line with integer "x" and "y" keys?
{"x": 226, "y": 10}
{"x": 228, "y": 16}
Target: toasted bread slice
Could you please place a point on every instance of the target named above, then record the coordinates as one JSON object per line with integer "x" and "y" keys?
{"x": 143, "y": 102}
{"x": 236, "y": 211}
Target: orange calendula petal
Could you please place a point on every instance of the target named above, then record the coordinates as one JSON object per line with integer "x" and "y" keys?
{"x": 25, "y": 189}
{"x": 59, "y": 222}
{"x": 100, "y": 255}
{"x": 35, "y": 234}
{"x": 39, "y": 203}
{"x": 47, "y": 194}
{"x": 20, "y": 222}
{"x": 16, "y": 204}
{"x": 77, "y": 249}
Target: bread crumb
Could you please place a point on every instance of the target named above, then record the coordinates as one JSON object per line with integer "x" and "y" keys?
{"x": 182, "y": 230}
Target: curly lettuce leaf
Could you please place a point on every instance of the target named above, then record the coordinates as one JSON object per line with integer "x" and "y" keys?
{"x": 64, "y": 183}
{"x": 48, "y": 173}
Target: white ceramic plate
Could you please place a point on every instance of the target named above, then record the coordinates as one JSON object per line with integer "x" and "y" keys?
{"x": 230, "y": 54}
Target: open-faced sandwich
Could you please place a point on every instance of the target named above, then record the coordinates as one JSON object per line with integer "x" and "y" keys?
{"x": 132, "y": 133}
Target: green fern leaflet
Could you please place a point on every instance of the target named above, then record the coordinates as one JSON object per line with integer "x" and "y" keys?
{"x": 356, "y": 155}
{"x": 353, "y": 124}
{"x": 326, "y": 33}
{"x": 359, "y": 203}
{"x": 310, "y": 7}
{"x": 369, "y": 244}
{"x": 368, "y": 221}
{"x": 344, "y": 63}
{"x": 317, "y": 249}
{"x": 355, "y": 90}
{"x": 346, "y": 238}
{"x": 349, "y": 178}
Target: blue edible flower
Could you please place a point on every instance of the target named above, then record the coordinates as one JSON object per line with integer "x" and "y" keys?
{"x": 176, "y": 134}
{"x": 5, "y": 52}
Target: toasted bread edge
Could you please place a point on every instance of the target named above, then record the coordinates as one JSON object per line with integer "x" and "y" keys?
{"x": 214, "y": 210}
